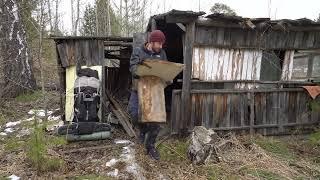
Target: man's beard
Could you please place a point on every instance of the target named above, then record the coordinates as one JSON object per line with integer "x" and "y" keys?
{"x": 157, "y": 50}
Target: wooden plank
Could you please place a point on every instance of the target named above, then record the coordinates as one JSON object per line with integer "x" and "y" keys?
{"x": 116, "y": 108}
{"x": 166, "y": 70}
{"x": 264, "y": 111}
{"x": 151, "y": 99}
{"x": 62, "y": 82}
{"x": 251, "y": 100}
{"x": 62, "y": 54}
{"x": 194, "y": 112}
{"x": 228, "y": 106}
{"x": 187, "y": 59}
{"x": 281, "y": 100}
{"x": 242, "y": 110}
{"x": 103, "y": 94}
{"x": 181, "y": 26}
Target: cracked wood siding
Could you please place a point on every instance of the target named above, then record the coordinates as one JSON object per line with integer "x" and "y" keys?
{"x": 212, "y": 64}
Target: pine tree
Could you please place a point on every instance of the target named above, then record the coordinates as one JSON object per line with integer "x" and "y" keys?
{"x": 223, "y": 9}
{"x": 88, "y": 24}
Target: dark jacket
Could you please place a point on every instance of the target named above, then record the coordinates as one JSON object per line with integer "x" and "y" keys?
{"x": 139, "y": 54}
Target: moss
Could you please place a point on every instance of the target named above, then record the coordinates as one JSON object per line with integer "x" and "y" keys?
{"x": 13, "y": 144}
{"x": 264, "y": 174}
{"x": 275, "y": 147}
{"x": 314, "y": 138}
{"x": 29, "y": 97}
{"x": 173, "y": 151}
{"x": 315, "y": 105}
{"x": 91, "y": 177}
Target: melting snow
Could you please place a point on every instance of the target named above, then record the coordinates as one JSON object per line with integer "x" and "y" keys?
{"x": 122, "y": 142}
{"x": 11, "y": 124}
{"x": 54, "y": 118}
{"x": 111, "y": 162}
{"x": 13, "y": 177}
{"x": 113, "y": 173}
{"x": 127, "y": 156}
{"x": 3, "y": 134}
{"x": 8, "y": 130}
{"x": 40, "y": 112}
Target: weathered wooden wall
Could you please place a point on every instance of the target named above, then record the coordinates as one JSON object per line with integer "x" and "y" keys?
{"x": 272, "y": 111}
{"x": 81, "y": 52}
{"x": 211, "y": 64}
{"x": 266, "y": 39}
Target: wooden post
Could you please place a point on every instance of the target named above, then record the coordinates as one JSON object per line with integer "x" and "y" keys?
{"x": 62, "y": 81}
{"x": 187, "y": 60}
{"x": 251, "y": 100}
{"x": 103, "y": 89}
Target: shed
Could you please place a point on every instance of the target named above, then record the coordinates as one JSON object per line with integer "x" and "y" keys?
{"x": 108, "y": 55}
{"x": 241, "y": 74}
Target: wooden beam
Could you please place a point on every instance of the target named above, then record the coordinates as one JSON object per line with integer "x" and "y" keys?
{"x": 181, "y": 26}
{"x": 103, "y": 94}
{"x": 187, "y": 60}
{"x": 62, "y": 81}
{"x": 117, "y": 43}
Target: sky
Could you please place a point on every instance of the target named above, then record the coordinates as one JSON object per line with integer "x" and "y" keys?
{"x": 279, "y": 9}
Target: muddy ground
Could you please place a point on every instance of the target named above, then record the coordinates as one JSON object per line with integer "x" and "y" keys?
{"x": 257, "y": 157}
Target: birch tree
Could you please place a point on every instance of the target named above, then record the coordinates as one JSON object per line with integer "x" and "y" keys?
{"x": 14, "y": 52}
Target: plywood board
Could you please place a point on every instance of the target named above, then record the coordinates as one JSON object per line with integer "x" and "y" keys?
{"x": 151, "y": 99}
{"x": 166, "y": 70}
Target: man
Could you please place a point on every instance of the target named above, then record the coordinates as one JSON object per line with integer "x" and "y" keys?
{"x": 150, "y": 50}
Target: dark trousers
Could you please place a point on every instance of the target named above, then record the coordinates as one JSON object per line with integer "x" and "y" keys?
{"x": 149, "y": 130}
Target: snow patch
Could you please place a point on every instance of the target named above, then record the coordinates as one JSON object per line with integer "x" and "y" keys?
{"x": 52, "y": 127}
{"x": 13, "y": 177}
{"x": 40, "y": 112}
{"x": 128, "y": 157}
{"x": 122, "y": 142}
{"x": 29, "y": 119}
{"x": 3, "y": 134}
{"x": 11, "y": 124}
{"x": 54, "y": 118}
{"x": 9, "y": 130}
{"x": 113, "y": 173}
{"x": 111, "y": 162}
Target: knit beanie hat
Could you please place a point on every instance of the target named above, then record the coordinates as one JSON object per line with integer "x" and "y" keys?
{"x": 157, "y": 36}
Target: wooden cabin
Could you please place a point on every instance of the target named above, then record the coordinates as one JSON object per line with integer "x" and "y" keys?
{"x": 241, "y": 74}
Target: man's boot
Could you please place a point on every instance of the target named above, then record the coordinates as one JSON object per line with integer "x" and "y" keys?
{"x": 153, "y": 153}
{"x": 151, "y": 140}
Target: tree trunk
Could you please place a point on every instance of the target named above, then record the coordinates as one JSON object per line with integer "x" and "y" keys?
{"x": 14, "y": 53}
{"x": 56, "y": 18}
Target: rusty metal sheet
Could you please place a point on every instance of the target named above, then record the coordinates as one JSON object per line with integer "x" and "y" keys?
{"x": 314, "y": 91}
{"x": 210, "y": 64}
